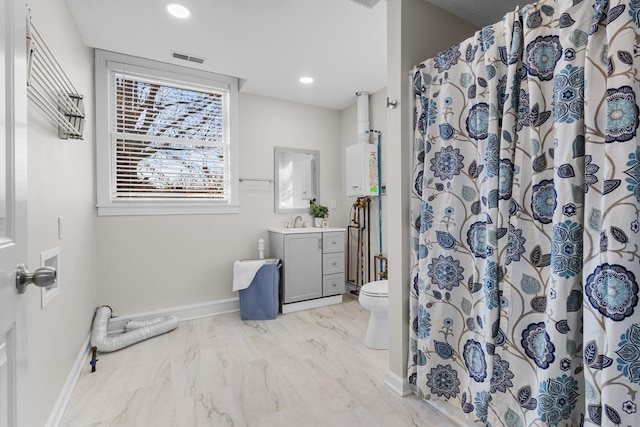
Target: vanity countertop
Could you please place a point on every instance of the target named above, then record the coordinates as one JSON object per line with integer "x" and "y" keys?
{"x": 306, "y": 230}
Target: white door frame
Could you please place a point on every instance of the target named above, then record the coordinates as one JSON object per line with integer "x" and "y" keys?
{"x": 13, "y": 207}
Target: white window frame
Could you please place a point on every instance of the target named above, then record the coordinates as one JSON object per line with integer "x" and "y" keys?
{"x": 107, "y": 63}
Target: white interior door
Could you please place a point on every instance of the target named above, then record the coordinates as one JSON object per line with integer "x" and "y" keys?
{"x": 13, "y": 211}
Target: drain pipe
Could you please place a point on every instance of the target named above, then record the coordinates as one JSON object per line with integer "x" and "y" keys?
{"x": 379, "y": 198}
{"x": 362, "y": 112}
{"x": 135, "y": 330}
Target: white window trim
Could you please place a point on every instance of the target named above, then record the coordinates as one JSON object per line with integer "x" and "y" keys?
{"x": 106, "y": 61}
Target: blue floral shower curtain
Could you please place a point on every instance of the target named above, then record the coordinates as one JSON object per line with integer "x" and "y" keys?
{"x": 525, "y": 219}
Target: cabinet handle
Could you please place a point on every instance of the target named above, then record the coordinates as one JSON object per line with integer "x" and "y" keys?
{"x": 320, "y": 243}
{"x": 335, "y": 263}
{"x": 334, "y": 242}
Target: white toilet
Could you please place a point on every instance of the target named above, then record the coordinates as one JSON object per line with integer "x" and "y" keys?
{"x": 374, "y": 296}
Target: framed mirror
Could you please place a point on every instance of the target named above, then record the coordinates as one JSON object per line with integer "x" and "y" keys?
{"x": 297, "y": 181}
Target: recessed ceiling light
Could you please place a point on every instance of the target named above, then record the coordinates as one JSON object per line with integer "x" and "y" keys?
{"x": 178, "y": 10}
{"x": 306, "y": 80}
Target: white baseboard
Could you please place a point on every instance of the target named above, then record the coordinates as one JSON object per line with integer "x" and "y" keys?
{"x": 183, "y": 312}
{"x": 398, "y": 384}
{"x": 312, "y": 303}
{"x": 65, "y": 394}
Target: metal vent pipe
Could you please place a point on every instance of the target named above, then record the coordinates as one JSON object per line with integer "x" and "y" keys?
{"x": 362, "y": 107}
{"x": 135, "y": 330}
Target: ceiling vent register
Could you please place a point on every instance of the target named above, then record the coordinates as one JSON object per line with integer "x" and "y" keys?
{"x": 368, "y": 3}
{"x": 185, "y": 57}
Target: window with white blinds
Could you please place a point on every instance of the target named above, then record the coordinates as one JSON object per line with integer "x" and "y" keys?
{"x": 169, "y": 141}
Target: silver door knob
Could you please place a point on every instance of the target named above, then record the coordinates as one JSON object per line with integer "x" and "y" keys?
{"x": 42, "y": 277}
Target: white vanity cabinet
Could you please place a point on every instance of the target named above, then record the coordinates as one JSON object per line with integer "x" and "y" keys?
{"x": 313, "y": 263}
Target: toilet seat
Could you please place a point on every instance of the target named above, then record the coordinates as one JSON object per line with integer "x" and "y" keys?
{"x": 379, "y": 289}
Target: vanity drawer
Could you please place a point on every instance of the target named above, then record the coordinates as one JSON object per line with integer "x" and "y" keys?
{"x": 333, "y": 241}
{"x": 333, "y": 284}
{"x": 333, "y": 263}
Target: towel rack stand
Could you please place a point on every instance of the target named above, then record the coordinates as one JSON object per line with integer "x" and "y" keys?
{"x": 50, "y": 88}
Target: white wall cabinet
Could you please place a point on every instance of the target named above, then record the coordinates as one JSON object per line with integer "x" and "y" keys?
{"x": 313, "y": 263}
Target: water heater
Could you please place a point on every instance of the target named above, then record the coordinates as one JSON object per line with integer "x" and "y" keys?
{"x": 362, "y": 170}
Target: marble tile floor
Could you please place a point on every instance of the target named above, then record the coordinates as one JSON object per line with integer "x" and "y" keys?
{"x": 308, "y": 368}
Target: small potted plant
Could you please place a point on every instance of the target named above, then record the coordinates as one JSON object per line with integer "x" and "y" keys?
{"x": 319, "y": 213}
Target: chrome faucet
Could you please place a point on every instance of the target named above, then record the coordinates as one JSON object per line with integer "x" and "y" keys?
{"x": 297, "y": 224}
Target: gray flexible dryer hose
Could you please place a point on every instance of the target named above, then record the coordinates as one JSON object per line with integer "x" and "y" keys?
{"x": 135, "y": 330}
{"x": 132, "y": 325}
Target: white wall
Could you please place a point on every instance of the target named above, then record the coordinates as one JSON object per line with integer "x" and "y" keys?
{"x": 153, "y": 262}
{"x": 61, "y": 184}
{"x": 416, "y": 30}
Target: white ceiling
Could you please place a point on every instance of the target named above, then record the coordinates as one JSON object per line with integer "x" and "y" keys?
{"x": 269, "y": 43}
{"x": 480, "y": 12}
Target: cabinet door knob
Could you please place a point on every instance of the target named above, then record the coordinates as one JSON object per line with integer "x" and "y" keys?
{"x": 335, "y": 263}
